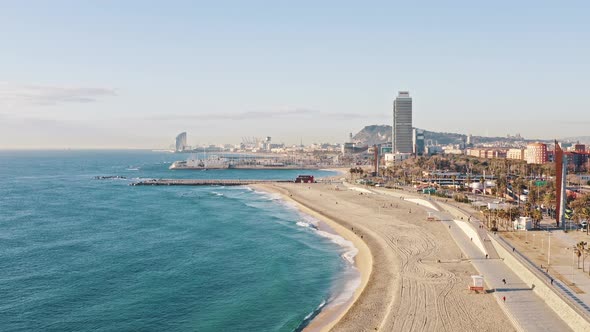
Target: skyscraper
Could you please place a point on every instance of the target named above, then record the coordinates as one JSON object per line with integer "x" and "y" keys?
{"x": 418, "y": 141}
{"x": 181, "y": 142}
{"x": 402, "y": 123}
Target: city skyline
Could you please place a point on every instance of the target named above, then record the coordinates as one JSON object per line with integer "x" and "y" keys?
{"x": 134, "y": 75}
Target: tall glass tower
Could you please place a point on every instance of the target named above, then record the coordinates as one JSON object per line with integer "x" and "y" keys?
{"x": 402, "y": 123}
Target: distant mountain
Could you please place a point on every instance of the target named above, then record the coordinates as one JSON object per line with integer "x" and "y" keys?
{"x": 378, "y": 134}
{"x": 444, "y": 138}
{"x": 374, "y": 134}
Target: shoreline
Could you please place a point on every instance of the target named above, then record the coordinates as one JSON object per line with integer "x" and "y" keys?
{"x": 414, "y": 277}
{"x": 329, "y": 316}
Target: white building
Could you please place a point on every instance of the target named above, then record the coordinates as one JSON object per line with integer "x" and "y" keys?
{"x": 523, "y": 224}
{"x": 181, "y": 142}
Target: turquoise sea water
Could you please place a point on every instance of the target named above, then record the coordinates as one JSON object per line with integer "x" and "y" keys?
{"x": 80, "y": 254}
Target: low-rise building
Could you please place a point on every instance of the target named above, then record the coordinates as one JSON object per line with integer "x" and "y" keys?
{"x": 536, "y": 153}
{"x": 517, "y": 154}
{"x": 487, "y": 153}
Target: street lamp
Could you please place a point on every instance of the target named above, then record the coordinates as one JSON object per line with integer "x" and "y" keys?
{"x": 549, "y": 249}
{"x": 573, "y": 263}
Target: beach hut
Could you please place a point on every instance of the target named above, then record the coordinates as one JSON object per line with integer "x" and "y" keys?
{"x": 430, "y": 217}
{"x": 523, "y": 224}
{"x": 476, "y": 283}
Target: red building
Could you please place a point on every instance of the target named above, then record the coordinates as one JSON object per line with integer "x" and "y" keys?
{"x": 305, "y": 179}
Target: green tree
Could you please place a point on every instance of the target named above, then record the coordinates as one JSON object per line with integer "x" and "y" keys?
{"x": 537, "y": 216}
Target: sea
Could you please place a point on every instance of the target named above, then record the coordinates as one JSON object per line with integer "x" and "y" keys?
{"x": 81, "y": 253}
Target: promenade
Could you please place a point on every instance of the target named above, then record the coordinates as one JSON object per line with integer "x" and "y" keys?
{"x": 527, "y": 310}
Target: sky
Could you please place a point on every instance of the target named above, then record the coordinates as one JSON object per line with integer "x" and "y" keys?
{"x": 133, "y": 74}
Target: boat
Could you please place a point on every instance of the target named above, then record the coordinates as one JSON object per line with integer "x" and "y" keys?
{"x": 211, "y": 162}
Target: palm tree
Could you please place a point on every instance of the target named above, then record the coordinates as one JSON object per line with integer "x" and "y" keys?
{"x": 487, "y": 213}
{"x": 503, "y": 216}
{"x": 580, "y": 247}
{"x": 514, "y": 213}
{"x": 585, "y": 214}
{"x": 537, "y": 215}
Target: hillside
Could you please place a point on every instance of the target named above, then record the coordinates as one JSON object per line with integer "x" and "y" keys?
{"x": 374, "y": 134}
{"x": 379, "y": 134}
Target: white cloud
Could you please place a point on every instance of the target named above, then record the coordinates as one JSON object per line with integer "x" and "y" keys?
{"x": 38, "y": 95}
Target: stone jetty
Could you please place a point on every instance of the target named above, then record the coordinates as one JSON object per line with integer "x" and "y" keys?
{"x": 201, "y": 182}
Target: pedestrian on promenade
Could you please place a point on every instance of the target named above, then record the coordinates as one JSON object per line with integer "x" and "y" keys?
{"x": 512, "y": 249}
{"x": 504, "y": 298}
{"x": 486, "y": 256}
{"x": 504, "y": 281}
{"x": 551, "y": 281}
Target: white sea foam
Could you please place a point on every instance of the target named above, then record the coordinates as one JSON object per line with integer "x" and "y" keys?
{"x": 268, "y": 196}
{"x": 351, "y": 280}
{"x": 316, "y": 310}
{"x": 346, "y": 292}
{"x": 344, "y": 289}
{"x": 303, "y": 224}
{"x": 350, "y": 250}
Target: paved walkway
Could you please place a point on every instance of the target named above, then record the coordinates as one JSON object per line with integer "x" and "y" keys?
{"x": 522, "y": 304}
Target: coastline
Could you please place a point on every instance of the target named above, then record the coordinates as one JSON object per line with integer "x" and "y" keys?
{"x": 330, "y": 315}
{"x": 415, "y": 277}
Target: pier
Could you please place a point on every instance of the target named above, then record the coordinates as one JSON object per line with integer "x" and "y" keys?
{"x": 202, "y": 182}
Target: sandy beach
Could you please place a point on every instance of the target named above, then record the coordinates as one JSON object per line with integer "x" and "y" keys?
{"x": 412, "y": 274}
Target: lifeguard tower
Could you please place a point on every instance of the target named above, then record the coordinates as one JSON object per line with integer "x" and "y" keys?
{"x": 476, "y": 283}
{"x": 431, "y": 217}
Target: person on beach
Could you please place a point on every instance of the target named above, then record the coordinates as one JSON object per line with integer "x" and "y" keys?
{"x": 504, "y": 281}
{"x": 513, "y": 249}
{"x": 504, "y": 298}
{"x": 551, "y": 281}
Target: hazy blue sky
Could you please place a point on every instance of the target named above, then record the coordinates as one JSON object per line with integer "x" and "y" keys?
{"x": 135, "y": 73}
